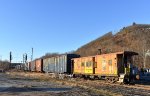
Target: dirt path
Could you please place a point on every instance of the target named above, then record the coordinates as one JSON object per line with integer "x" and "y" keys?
{"x": 20, "y": 86}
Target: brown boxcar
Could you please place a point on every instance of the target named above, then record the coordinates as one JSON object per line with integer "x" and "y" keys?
{"x": 39, "y": 65}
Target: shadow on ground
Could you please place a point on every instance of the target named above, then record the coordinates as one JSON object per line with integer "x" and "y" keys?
{"x": 26, "y": 89}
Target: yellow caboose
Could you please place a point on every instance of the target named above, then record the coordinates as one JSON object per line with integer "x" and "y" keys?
{"x": 84, "y": 65}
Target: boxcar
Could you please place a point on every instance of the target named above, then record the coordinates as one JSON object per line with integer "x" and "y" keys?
{"x": 51, "y": 64}
{"x": 26, "y": 66}
{"x": 32, "y": 66}
{"x": 59, "y": 64}
{"x": 39, "y": 65}
{"x": 18, "y": 67}
{"x": 45, "y": 65}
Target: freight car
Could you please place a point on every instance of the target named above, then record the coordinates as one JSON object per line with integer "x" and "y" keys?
{"x": 49, "y": 65}
{"x": 59, "y": 64}
{"x": 26, "y": 66}
{"x": 32, "y": 66}
{"x": 39, "y": 65}
{"x": 112, "y": 67}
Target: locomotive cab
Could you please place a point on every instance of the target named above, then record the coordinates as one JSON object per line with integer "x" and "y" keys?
{"x": 125, "y": 65}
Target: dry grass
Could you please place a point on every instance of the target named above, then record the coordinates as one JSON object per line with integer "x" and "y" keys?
{"x": 74, "y": 83}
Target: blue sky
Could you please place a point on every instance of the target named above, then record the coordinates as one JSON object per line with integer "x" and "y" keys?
{"x": 62, "y": 25}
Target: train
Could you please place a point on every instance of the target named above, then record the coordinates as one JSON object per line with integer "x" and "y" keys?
{"x": 113, "y": 67}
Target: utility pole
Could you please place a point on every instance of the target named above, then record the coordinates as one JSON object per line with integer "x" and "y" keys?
{"x": 25, "y": 57}
{"x": 10, "y": 58}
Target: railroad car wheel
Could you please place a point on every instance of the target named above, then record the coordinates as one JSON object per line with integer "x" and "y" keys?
{"x": 107, "y": 79}
{"x": 113, "y": 80}
{"x": 92, "y": 77}
{"x": 126, "y": 80}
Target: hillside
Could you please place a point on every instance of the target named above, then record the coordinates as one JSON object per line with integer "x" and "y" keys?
{"x": 131, "y": 38}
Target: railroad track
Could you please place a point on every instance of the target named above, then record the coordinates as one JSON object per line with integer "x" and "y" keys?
{"x": 125, "y": 90}
{"x": 138, "y": 86}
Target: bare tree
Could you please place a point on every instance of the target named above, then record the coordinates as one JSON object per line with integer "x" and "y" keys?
{"x": 145, "y": 57}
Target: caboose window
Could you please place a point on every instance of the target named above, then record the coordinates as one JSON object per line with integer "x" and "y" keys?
{"x": 82, "y": 64}
{"x": 110, "y": 62}
{"x": 88, "y": 64}
{"x": 103, "y": 65}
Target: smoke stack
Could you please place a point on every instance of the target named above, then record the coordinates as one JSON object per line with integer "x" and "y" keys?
{"x": 99, "y": 51}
